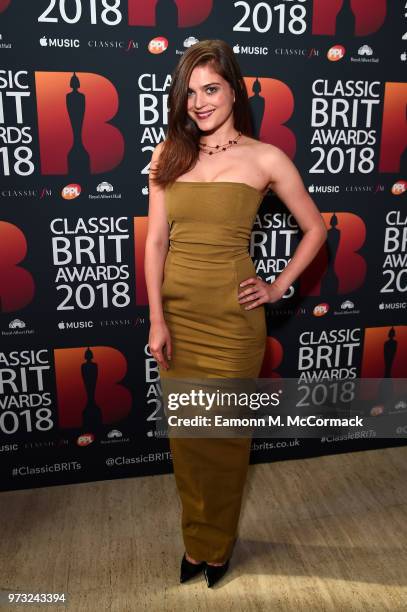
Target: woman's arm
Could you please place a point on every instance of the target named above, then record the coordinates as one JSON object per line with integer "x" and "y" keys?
{"x": 155, "y": 254}
{"x": 286, "y": 182}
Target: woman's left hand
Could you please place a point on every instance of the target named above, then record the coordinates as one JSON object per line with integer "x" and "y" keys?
{"x": 256, "y": 291}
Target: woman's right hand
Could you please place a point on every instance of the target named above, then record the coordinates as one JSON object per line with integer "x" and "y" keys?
{"x": 159, "y": 338}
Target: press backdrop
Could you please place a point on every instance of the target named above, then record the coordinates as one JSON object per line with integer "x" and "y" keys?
{"x": 83, "y": 102}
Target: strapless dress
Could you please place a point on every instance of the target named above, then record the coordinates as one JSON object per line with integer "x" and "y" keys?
{"x": 213, "y": 336}
{"x": 212, "y": 333}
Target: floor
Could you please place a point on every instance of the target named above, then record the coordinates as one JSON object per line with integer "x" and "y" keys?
{"x": 326, "y": 533}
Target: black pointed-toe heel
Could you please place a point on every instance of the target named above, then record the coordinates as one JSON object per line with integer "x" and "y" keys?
{"x": 213, "y": 573}
{"x": 189, "y": 570}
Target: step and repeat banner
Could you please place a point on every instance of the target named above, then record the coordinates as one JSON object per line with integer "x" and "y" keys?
{"x": 83, "y": 103}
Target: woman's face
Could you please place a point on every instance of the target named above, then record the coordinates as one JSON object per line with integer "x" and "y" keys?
{"x": 210, "y": 98}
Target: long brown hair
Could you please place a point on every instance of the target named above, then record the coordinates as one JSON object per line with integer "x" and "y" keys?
{"x": 181, "y": 146}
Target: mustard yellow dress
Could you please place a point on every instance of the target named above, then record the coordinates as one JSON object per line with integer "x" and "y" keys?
{"x": 213, "y": 336}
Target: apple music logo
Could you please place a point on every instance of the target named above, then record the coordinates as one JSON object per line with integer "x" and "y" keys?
{"x": 59, "y": 42}
{"x": 74, "y": 324}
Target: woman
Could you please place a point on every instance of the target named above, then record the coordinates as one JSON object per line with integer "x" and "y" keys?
{"x": 207, "y": 319}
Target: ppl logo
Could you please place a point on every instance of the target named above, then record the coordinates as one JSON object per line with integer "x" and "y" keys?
{"x": 85, "y": 439}
{"x": 4, "y": 4}
{"x": 336, "y": 53}
{"x": 399, "y": 187}
{"x": 65, "y": 101}
{"x": 320, "y": 310}
{"x": 71, "y": 191}
{"x": 159, "y": 44}
{"x": 348, "y": 17}
{"x": 168, "y": 15}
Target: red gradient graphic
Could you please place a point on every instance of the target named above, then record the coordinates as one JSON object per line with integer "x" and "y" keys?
{"x": 369, "y": 16}
{"x": 140, "y": 235}
{"x": 111, "y": 397}
{"x": 373, "y": 361}
{"x": 273, "y": 356}
{"x": 278, "y": 109}
{"x": 16, "y": 284}
{"x": 190, "y": 12}
{"x": 349, "y": 266}
{"x": 102, "y": 141}
{"x": 394, "y": 127}
{"x": 4, "y": 4}
{"x": 381, "y": 345}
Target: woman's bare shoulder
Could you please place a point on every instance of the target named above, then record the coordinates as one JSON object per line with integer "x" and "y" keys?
{"x": 258, "y": 147}
{"x": 264, "y": 156}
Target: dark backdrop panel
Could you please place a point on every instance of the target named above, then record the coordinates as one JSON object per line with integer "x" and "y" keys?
{"x": 83, "y": 102}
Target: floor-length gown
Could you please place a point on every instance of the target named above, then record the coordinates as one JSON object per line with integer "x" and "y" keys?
{"x": 213, "y": 336}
